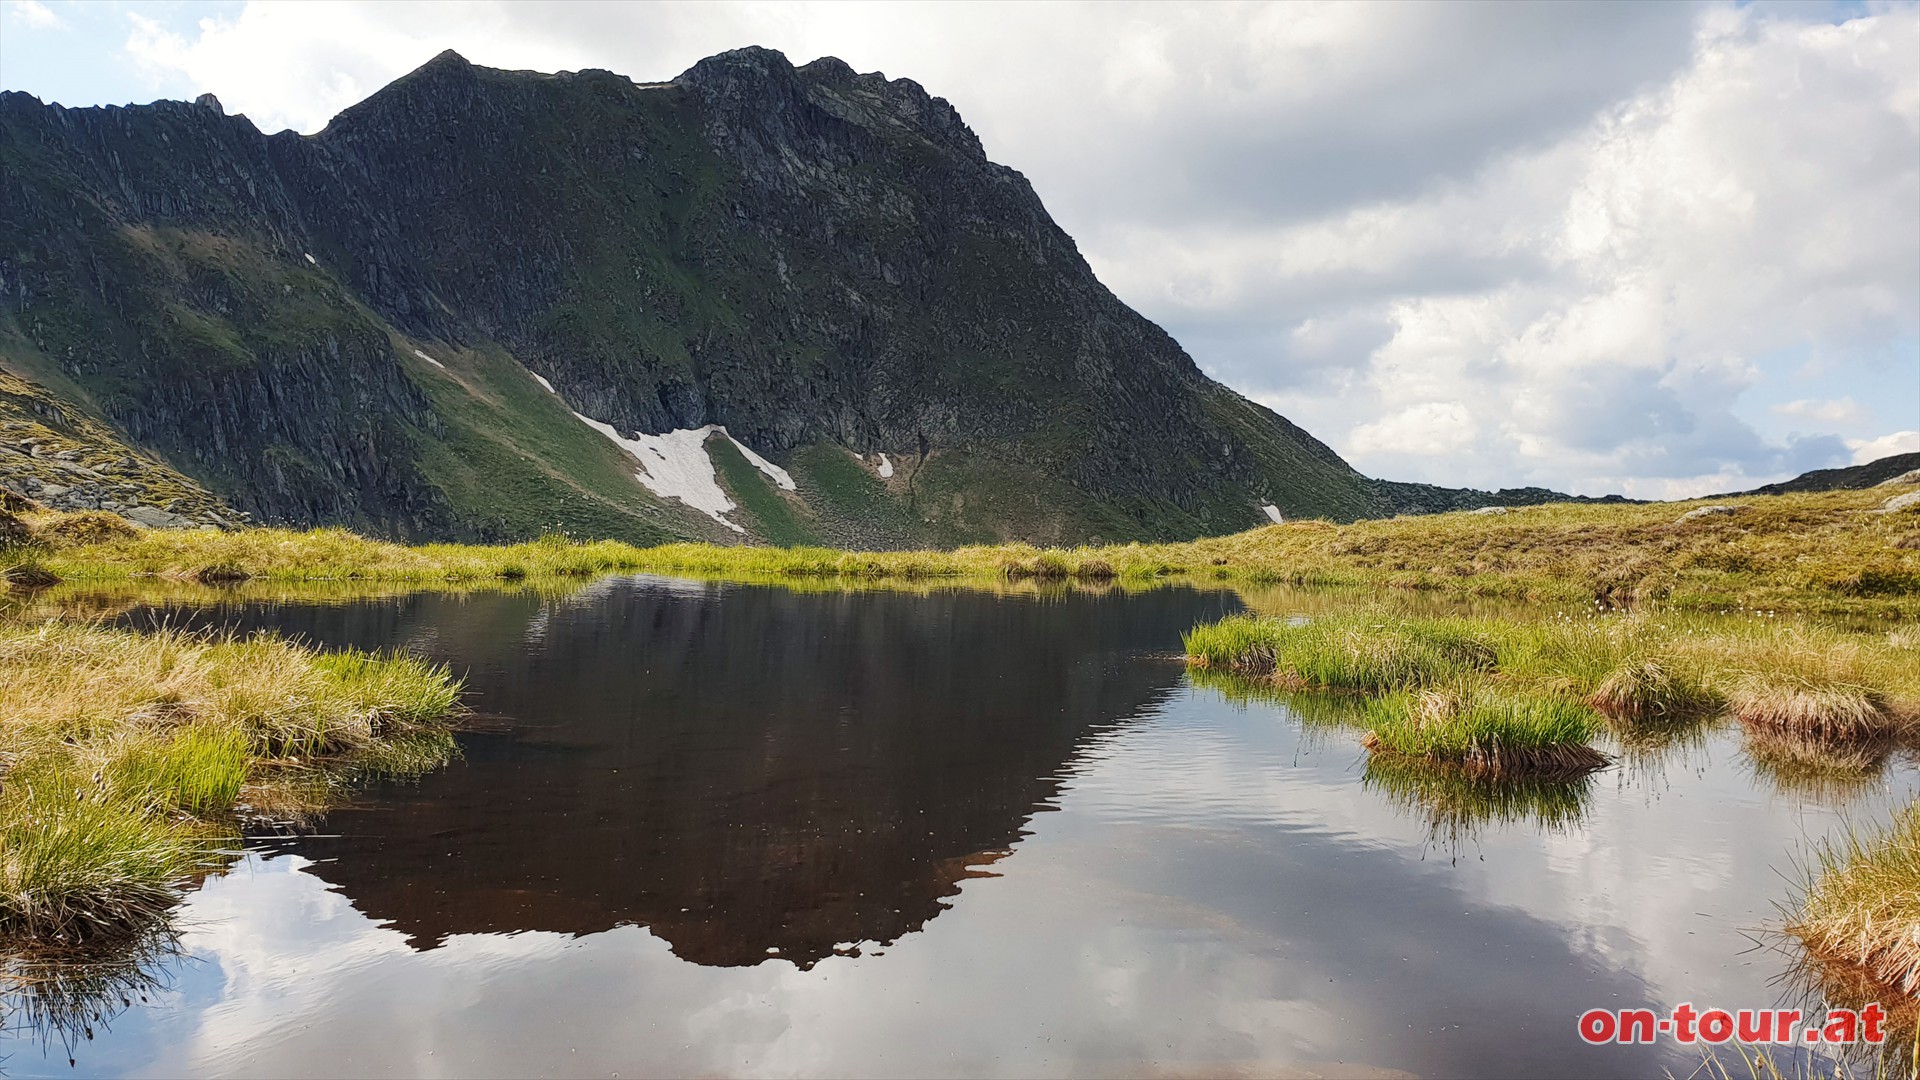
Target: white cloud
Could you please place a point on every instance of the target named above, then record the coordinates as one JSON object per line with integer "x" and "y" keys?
{"x": 1767, "y": 198}
{"x": 1899, "y": 442}
{"x": 1429, "y": 428}
{"x": 1840, "y": 411}
{"x": 1576, "y": 243}
{"x": 34, "y": 15}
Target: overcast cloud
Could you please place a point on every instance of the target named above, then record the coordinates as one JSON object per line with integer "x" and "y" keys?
{"x": 1653, "y": 248}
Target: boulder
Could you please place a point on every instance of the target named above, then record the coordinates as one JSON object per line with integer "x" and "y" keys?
{"x": 1699, "y": 512}
{"x": 154, "y": 518}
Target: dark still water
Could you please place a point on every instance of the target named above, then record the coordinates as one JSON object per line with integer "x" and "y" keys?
{"x": 715, "y": 830}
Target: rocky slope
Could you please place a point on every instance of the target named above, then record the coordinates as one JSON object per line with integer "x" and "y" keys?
{"x": 1852, "y": 477}
{"x": 451, "y": 312}
{"x": 60, "y": 458}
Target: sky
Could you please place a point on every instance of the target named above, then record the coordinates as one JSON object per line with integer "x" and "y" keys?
{"x": 1661, "y": 249}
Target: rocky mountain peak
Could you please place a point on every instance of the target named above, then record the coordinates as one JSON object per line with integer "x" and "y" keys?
{"x": 400, "y": 323}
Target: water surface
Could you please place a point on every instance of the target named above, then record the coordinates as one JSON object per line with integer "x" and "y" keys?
{"x": 705, "y": 829}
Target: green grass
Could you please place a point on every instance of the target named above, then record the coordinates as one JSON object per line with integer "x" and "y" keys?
{"x": 1487, "y": 731}
{"x": 1861, "y": 904}
{"x": 774, "y": 518}
{"x": 76, "y": 862}
{"x": 200, "y": 769}
{"x": 1640, "y": 670}
{"x": 1825, "y": 552}
{"x": 512, "y": 460}
{"x": 1365, "y": 652}
{"x": 1642, "y": 689}
{"x": 854, "y": 508}
{"x": 123, "y": 756}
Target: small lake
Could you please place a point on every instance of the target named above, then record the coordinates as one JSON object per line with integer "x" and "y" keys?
{"x": 704, "y": 829}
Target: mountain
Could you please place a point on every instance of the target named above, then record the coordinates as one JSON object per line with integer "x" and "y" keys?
{"x": 1851, "y": 477}
{"x": 756, "y": 302}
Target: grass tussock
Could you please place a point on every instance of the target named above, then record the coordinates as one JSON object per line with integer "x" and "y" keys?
{"x": 1362, "y": 652}
{"x": 1861, "y": 905}
{"x": 84, "y": 528}
{"x": 1642, "y": 671}
{"x": 1824, "y": 710}
{"x": 1486, "y": 732}
{"x": 123, "y": 756}
{"x": 1645, "y": 689}
{"x": 1813, "y": 552}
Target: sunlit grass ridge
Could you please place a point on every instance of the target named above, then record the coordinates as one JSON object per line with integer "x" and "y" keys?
{"x": 1826, "y": 551}
{"x": 123, "y": 755}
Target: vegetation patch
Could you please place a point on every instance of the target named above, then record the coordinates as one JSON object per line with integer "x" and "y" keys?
{"x": 1486, "y": 732}
{"x": 1824, "y": 552}
{"x": 1646, "y": 689}
{"x": 13, "y": 531}
{"x": 1820, "y": 709}
{"x": 84, "y": 529}
{"x": 28, "y": 575}
{"x": 123, "y": 757}
{"x": 1861, "y": 906}
{"x": 1642, "y": 671}
{"x": 1364, "y": 652}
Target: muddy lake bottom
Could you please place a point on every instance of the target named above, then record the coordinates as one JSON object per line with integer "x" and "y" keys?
{"x": 703, "y": 829}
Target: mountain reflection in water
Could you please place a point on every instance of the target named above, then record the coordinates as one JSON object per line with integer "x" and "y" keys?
{"x": 780, "y": 773}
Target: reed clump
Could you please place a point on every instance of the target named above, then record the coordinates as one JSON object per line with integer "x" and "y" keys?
{"x": 1485, "y": 731}
{"x": 1646, "y": 689}
{"x": 1642, "y": 671}
{"x": 124, "y": 755}
{"x": 1365, "y": 652}
{"x": 1861, "y": 904}
{"x": 1822, "y": 709}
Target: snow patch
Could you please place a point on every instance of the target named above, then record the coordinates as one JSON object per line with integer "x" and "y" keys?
{"x": 311, "y": 259}
{"x": 429, "y": 359}
{"x": 774, "y": 472}
{"x": 1273, "y": 512}
{"x": 676, "y": 466}
{"x": 886, "y": 468}
{"x": 544, "y": 384}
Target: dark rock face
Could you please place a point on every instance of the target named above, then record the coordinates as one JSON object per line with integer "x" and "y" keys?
{"x": 805, "y": 255}
{"x": 1850, "y": 477}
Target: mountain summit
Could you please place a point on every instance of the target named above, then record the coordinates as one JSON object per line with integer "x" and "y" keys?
{"x": 758, "y": 301}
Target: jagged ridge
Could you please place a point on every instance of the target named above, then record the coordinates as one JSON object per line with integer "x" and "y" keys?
{"x": 824, "y": 262}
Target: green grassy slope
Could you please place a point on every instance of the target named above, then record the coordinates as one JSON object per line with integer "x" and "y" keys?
{"x": 513, "y": 461}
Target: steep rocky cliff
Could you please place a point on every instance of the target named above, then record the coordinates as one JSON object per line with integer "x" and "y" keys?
{"x": 463, "y": 308}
